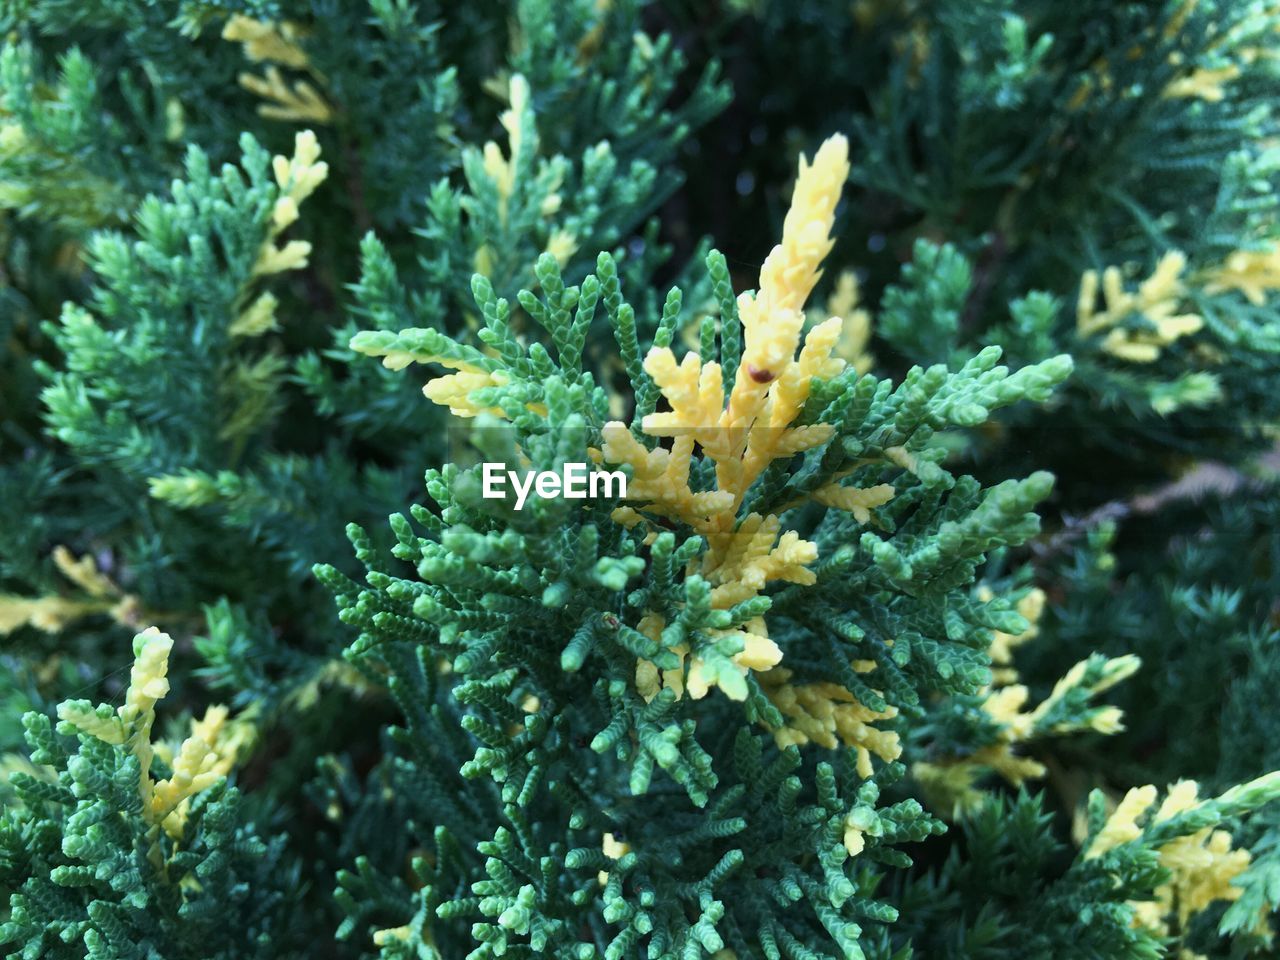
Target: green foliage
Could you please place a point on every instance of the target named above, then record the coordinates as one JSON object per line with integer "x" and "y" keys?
{"x": 500, "y": 590}
{"x": 86, "y": 875}
{"x": 1039, "y": 140}
{"x": 1200, "y": 618}
{"x": 541, "y": 730}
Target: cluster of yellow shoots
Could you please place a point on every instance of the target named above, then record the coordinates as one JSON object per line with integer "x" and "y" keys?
{"x": 453, "y": 390}
{"x": 202, "y": 759}
{"x": 276, "y": 45}
{"x": 1251, "y": 272}
{"x": 1206, "y": 83}
{"x": 53, "y": 612}
{"x": 1201, "y": 865}
{"x": 1159, "y": 298}
{"x": 844, "y": 301}
{"x": 1235, "y": 48}
{"x": 561, "y": 244}
{"x": 745, "y": 432}
{"x": 249, "y": 384}
{"x": 1156, "y": 300}
{"x": 298, "y": 177}
{"x": 741, "y": 434}
{"x": 951, "y": 783}
{"x": 827, "y": 714}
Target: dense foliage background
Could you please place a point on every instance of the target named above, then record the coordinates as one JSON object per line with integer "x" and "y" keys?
{"x": 931, "y": 701}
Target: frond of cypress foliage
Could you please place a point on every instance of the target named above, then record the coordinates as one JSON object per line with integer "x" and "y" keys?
{"x": 1034, "y": 148}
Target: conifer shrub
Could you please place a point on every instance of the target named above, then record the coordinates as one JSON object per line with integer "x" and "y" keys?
{"x": 930, "y": 351}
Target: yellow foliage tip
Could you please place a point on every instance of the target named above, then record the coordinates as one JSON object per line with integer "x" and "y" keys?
{"x": 1030, "y": 606}
{"x": 297, "y": 178}
{"x": 199, "y": 762}
{"x": 277, "y": 46}
{"x": 297, "y": 102}
{"x": 1252, "y": 272}
{"x": 50, "y": 614}
{"x": 53, "y": 613}
{"x": 84, "y": 573}
{"x": 299, "y": 175}
{"x": 855, "y": 333}
{"x": 392, "y": 935}
{"x": 746, "y": 431}
{"x": 826, "y": 714}
{"x": 1156, "y": 301}
{"x": 858, "y": 502}
{"x": 148, "y": 684}
{"x": 951, "y": 783}
{"x": 256, "y": 319}
{"x": 266, "y": 42}
{"x": 205, "y": 757}
{"x": 693, "y": 676}
{"x": 562, "y": 245}
{"x": 1201, "y": 865}
{"x": 772, "y": 319}
{"x": 1205, "y": 83}
{"x": 791, "y": 270}
{"x": 502, "y": 170}
{"x": 752, "y": 428}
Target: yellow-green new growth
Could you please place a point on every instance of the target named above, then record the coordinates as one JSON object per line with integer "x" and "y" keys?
{"x": 502, "y": 172}
{"x": 1252, "y": 272}
{"x": 1156, "y": 300}
{"x": 276, "y": 44}
{"x": 741, "y": 431}
{"x": 297, "y": 176}
{"x": 845, "y": 301}
{"x": 53, "y": 612}
{"x": 249, "y": 386}
{"x": 951, "y": 783}
{"x": 1201, "y": 865}
{"x": 747, "y": 430}
{"x": 199, "y": 762}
